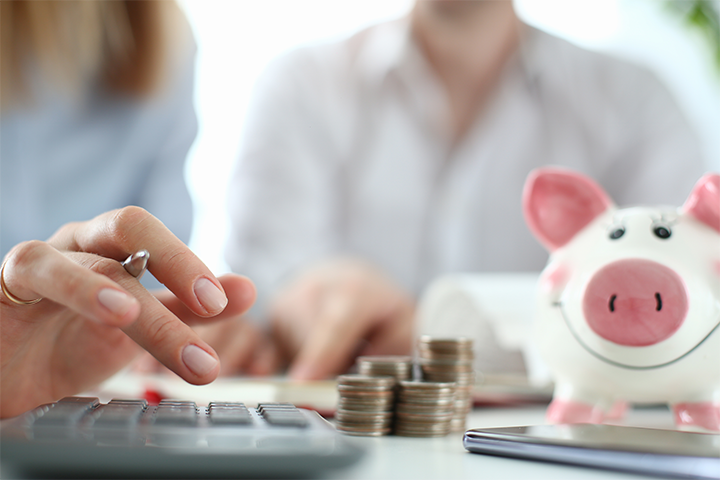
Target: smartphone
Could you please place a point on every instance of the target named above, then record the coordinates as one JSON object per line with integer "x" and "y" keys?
{"x": 649, "y": 451}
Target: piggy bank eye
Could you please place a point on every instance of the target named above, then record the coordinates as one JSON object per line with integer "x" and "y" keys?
{"x": 616, "y": 233}
{"x": 661, "y": 231}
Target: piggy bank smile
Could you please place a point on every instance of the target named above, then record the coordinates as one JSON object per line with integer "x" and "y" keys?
{"x": 624, "y": 296}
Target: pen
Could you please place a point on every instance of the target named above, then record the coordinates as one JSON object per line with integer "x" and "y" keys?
{"x": 136, "y": 264}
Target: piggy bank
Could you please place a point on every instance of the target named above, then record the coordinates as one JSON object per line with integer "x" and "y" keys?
{"x": 628, "y": 306}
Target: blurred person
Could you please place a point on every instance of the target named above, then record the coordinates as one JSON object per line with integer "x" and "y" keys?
{"x": 96, "y": 113}
{"x": 371, "y": 165}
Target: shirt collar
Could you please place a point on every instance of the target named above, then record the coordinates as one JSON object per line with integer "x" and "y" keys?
{"x": 391, "y": 47}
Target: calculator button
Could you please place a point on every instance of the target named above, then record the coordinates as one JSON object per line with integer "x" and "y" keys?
{"x": 287, "y": 418}
{"x": 118, "y": 415}
{"x": 67, "y": 411}
{"x": 222, "y": 415}
{"x": 122, "y": 401}
{"x": 177, "y": 403}
{"x": 275, "y": 405}
{"x": 175, "y": 415}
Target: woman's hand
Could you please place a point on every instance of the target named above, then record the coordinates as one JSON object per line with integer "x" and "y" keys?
{"x": 95, "y": 317}
{"x": 243, "y": 348}
{"x": 336, "y": 310}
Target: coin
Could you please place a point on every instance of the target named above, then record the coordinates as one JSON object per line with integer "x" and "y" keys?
{"x": 359, "y": 415}
{"x": 409, "y": 385}
{"x": 364, "y": 432}
{"x": 366, "y": 381}
{"x": 450, "y": 360}
{"x": 365, "y": 406}
{"x": 367, "y": 403}
{"x": 424, "y": 409}
{"x": 388, "y": 396}
{"x": 364, "y": 388}
{"x": 431, "y": 407}
{"x": 398, "y": 366}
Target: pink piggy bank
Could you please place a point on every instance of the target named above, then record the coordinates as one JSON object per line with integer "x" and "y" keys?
{"x": 629, "y": 303}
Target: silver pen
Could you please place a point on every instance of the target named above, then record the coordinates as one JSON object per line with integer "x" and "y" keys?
{"x": 136, "y": 264}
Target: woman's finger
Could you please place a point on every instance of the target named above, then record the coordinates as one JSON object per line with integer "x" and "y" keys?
{"x": 34, "y": 269}
{"x": 118, "y": 233}
{"x": 240, "y": 293}
{"x": 168, "y": 339}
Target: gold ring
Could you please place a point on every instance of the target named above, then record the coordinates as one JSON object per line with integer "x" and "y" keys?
{"x": 10, "y": 296}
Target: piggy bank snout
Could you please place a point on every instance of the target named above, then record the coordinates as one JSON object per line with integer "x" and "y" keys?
{"x": 635, "y": 302}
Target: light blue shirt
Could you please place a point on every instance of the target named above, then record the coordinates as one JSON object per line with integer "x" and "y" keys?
{"x": 69, "y": 158}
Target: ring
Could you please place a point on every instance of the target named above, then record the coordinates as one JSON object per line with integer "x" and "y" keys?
{"x": 10, "y": 296}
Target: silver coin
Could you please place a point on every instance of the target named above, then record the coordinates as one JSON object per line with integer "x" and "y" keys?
{"x": 374, "y": 425}
{"x": 424, "y": 409}
{"x": 365, "y": 432}
{"x": 371, "y": 367}
{"x": 367, "y": 401}
{"x": 430, "y": 340}
{"x": 458, "y": 424}
{"x": 418, "y": 385}
{"x": 426, "y": 400}
{"x": 385, "y": 359}
{"x": 429, "y": 392}
{"x": 424, "y": 417}
{"x": 369, "y": 394}
{"x": 399, "y": 374}
{"x": 359, "y": 415}
{"x": 366, "y": 380}
{"x": 422, "y": 427}
{"x": 424, "y": 432}
{"x": 365, "y": 388}
{"x": 403, "y": 433}
{"x": 449, "y": 355}
{"x": 451, "y": 365}
{"x": 366, "y": 408}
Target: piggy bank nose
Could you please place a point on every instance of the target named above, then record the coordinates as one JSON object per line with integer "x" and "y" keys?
{"x": 635, "y": 302}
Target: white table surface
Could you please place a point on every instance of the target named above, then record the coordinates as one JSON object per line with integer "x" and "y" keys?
{"x": 445, "y": 458}
{"x": 393, "y": 457}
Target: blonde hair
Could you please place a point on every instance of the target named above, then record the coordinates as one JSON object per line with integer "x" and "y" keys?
{"x": 122, "y": 44}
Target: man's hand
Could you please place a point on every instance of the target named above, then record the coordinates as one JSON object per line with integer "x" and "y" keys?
{"x": 336, "y": 310}
{"x": 95, "y": 317}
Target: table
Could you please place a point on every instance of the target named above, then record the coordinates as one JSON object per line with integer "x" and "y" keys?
{"x": 445, "y": 458}
{"x": 394, "y": 457}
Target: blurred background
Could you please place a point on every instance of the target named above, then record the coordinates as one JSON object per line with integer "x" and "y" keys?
{"x": 237, "y": 38}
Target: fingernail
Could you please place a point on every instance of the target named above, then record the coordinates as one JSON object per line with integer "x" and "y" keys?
{"x": 116, "y": 301}
{"x": 210, "y": 296}
{"x": 198, "y": 360}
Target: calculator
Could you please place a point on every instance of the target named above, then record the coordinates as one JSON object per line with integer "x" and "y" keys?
{"x": 79, "y": 437}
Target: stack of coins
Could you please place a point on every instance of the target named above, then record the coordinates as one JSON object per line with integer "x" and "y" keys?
{"x": 398, "y": 366}
{"x": 366, "y": 405}
{"x": 450, "y": 360}
{"x": 424, "y": 409}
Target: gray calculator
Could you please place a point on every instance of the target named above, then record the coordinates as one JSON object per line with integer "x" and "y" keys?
{"x": 79, "y": 437}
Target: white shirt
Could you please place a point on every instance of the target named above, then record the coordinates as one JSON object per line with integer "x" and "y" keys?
{"x": 346, "y": 151}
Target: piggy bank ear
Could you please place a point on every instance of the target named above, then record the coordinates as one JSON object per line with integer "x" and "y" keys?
{"x": 559, "y": 203}
{"x": 704, "y": 201}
